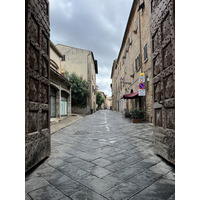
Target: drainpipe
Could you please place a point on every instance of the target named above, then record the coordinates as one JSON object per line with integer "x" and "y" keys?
{"x": 140, "y": 37}
{"x": 141, "y": 55}
{"x": 90, "y": 83}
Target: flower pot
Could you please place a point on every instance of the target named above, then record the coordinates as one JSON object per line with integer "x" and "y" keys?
{"x": 137, "y": 120}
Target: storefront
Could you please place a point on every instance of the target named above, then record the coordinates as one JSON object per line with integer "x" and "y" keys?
{"x": 60, "y": 96}
{"x": 53, "y": 102}
{"x": 63, "y": 104}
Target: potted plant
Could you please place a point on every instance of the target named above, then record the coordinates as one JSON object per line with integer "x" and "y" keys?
{"x": 127, "y": 113}
{"x": 137, "y": 115}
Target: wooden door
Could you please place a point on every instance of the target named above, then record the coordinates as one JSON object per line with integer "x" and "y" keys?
{"x": 37, "y": 82}
{"x": 163, "y": 55}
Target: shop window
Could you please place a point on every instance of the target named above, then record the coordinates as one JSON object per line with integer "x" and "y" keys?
{"x": 53, "y": 102}
{"x": 63, "y": 106}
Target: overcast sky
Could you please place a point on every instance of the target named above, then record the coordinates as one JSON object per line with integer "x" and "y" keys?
{"x": 96, "y": 25}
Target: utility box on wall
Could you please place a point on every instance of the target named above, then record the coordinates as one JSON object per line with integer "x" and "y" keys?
{"x": 37, "y": 82}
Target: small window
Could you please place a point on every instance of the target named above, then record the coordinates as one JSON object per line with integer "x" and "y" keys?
{"x": 63, "y": 58}
{"x": 145, "y": 53}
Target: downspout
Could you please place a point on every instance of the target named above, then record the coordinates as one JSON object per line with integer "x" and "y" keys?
{"x": 89, "y": 81}
{"x": 140, "y": 38}
{"x": 141, "y": 56}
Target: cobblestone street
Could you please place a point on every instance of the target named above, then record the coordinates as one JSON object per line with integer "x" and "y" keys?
{"x": 102, "y": 156}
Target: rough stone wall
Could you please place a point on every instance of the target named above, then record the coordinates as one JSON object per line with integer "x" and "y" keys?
{"x": 77, "y": 110}
{"x": 163, "y": 56}
{"x": 37, "y": 82}
{"x": 114, "y": 87}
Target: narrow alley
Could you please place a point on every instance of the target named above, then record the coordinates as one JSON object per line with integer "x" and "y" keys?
{"x": 102, "y": 156}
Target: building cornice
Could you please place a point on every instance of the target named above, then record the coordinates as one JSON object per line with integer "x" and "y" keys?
{"x": 132, "y": 12}
{"x": 55, "y": 49}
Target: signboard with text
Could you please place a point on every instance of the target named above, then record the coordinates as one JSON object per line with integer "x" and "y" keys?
{"x": 141, "y": 91}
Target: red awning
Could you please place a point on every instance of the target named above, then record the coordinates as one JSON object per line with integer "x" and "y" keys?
{"x": 130, "y": 96}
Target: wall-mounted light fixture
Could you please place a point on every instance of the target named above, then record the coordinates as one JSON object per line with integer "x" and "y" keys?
{"x": 122, "y": 80}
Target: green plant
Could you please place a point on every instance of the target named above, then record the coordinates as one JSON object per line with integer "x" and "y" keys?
{"x": 137, "y": 114}
{"x": 99, "y": 99}
{"x": 79, "y": 89}
{"x": 127, "y": 113}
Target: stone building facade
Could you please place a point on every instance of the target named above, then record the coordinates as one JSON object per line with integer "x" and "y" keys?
{"x": 81, "y": 62}
{"x": 109, "y": 103}
{"x": 60, "y": 88}
{"x": 114, "y": 85}
{"x": 134, "y": 58}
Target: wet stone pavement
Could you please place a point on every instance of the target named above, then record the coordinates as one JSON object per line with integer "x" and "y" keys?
{"x": 102, "y": 156}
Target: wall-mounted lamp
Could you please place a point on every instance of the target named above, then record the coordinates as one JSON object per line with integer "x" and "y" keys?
{"x": 122, "y": 80}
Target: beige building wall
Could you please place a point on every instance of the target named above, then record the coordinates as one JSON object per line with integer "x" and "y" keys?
{"x": 114, "y": 85}
{"x": 109, "y": 102}
{"x": 55, "y": 58}
{"x": 81, "y": 62}
{"x": 58, "y": 84}
{"x": 127, "y": 76}
{"x": 76, "y": 60}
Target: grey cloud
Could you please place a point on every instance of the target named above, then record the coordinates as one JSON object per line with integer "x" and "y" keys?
{"x": 96, "y": 25}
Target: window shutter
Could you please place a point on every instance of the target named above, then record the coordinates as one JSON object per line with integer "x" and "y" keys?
{"x": 140, "y": 61}
{"x": 145, "y": 53}
{"x": 136, "y": 65}
{"x": 130, "y": 39}
{"x": 63, "y": 58}
{"x": 133, "y": 71}
{"x": 147, "y": 83}
{"x": 135, "y": 26}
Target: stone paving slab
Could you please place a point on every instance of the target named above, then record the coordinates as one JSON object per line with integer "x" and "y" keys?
{"x": 86, "y": 194}
{"x": 162, "y": 189}
{"x": 122, "y": 191}
{"x": 47, "y": 192}
{"x": 102, "y": 156}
